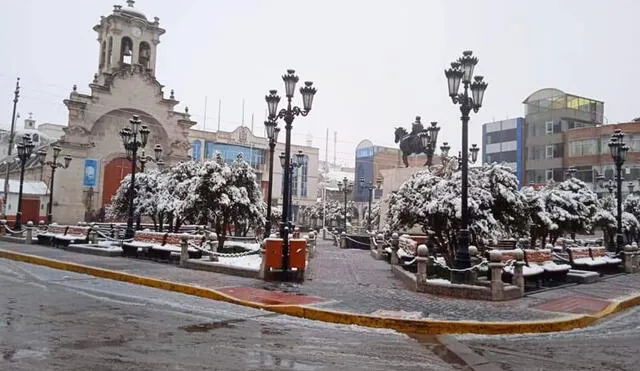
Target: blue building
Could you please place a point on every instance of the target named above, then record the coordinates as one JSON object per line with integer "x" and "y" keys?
{"x": 503, "y": 142}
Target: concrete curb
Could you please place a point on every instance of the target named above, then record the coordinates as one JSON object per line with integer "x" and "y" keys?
{"x": 467, "y": 356}
{"x": 431, "y": 327}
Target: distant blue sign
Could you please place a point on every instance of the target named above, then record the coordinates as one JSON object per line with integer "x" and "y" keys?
{"x": 90, "y": 173}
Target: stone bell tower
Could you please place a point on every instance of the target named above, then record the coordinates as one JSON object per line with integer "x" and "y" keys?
{"x": 127, "y": 37}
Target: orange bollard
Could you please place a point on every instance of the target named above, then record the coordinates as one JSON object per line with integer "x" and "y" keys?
{"x": 298, "y": 253}
{"x": 273, "y": 253}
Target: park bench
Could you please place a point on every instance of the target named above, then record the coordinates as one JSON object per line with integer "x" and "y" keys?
{"x": 505, "y": 245}
{"x": 73, "y": 234}
{"x": 46, "y": 237}
{"x": 171, "y": 248}
{"x": 531, "y": 273}
{"x": 142, "y": 242}
{"x": 407, "y": 251}
{"x": 544, "y": 258}
{"x": 592, "y": 258}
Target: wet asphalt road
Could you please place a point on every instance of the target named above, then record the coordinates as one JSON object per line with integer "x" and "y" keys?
{"x": 58, "y": 320}
{"x": 612, "y": 344}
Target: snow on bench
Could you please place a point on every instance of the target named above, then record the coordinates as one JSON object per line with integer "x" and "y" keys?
{"x": 73, "y": 234}
{"x": 509, "y": 256}
{"x": 544, "y": 258}
{"x": 52, "y": 231}
{"x": 591, "y": 257}
{"x": 172, "y": 246}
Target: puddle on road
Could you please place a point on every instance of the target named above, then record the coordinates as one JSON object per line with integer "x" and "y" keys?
{"x": 204, "y": 327}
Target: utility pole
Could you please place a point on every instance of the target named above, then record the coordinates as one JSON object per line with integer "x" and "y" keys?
{"x": 12, "y": 134}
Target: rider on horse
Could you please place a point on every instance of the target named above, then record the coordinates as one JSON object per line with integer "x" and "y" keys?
{"x": 416, "y": 127}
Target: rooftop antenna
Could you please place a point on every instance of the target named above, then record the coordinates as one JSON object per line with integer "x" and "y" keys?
{"x": 219, "y": 108}
{"x": 335, "y": 143}
{"x": 204, "y": 119}
{"x": 242, "y": 111}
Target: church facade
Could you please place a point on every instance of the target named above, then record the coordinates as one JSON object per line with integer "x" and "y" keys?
{"x": 125, "y": 85}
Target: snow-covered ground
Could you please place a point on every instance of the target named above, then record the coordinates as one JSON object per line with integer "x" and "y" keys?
{"x": 253, "y": 246}
{"x": 246, "y": 262}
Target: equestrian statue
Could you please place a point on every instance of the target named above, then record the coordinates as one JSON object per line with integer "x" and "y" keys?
{"x": 419, "y": 140}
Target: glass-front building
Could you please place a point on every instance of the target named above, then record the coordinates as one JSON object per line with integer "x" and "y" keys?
{"x": 370, "y": 159}
{"x": 549, "y": 114}
{"x": 229, "y": 152}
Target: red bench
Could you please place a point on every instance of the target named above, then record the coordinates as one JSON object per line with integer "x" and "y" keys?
{"x": 73, "y": 234}
{"x": 592, "y": 258}
{"x": 508, "y": 258}
{"x": 46, "y": 237}
{"x": 544, "y": 258}
{"x": 172, "y": 246}
{"x": 142, "y": 242}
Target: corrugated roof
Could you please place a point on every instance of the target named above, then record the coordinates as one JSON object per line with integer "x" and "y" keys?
{"x": 30, "y": 187}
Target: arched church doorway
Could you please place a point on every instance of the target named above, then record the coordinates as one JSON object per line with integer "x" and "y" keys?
{"x": 114, "y": 172}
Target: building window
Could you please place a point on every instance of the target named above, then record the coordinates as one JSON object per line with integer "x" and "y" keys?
{"x": 549, "y": 174}
{"x": 549, "y": 127}
{"x": 549, "y": 151}
{"x": 197, "y": 150}
{"x": 305, "y": 177}
{"x": 294, "y": 181}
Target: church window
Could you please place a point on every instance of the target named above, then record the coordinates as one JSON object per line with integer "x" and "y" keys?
{"x": 126, "y": 50}
{"x": 144, "y": 54}
{"x": 110, "y": 52}
{"x": 103, "y": 52}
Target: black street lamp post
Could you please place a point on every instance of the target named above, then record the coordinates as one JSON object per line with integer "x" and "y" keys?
{"x": 272, "y": 133}
{"x": 53, "y": 164}
{"x": 345, "y": 187}
{"x": 370, "y": 187}
{"x": 619, "y": 149}
{"x": 462, "y": 71}
{"x": 157, "y": 158}
{"x": 609, "y": 186}
{"x": 133, "y": 138}
{"x": 157, "y": 152}
{"x": 429, "y": 138}
{"x": 293, "y": 166}
{"x": 288, "y": 114}
{"x": 25, "y": 148}
{"x": 447, "y": 160}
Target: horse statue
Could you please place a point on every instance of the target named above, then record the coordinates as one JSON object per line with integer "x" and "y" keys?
{"x": 410, "y": 143}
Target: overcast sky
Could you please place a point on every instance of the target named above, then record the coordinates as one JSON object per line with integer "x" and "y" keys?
{"x": 376, "y": 64}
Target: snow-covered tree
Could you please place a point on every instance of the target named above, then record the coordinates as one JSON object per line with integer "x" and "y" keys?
{"x": 249, "y": 207}
{"x": 496, "y": 208}
{"x": 146, "y": 197}
{"x": 631, "y": 205}
{"x": 174, "y": 189}
{"x": 375, "y": 215}
{"x": 606, "y": 219}
{"x": 335, "y": 212}
{"x": 223, "y": 195}
{"x": 571, "y": 206}
{"x": 314, "y": 212}
{"x": 541, "y": 223}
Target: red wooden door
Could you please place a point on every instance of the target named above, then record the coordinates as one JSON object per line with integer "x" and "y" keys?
{"x": 30, "y": 211}
{"x": 114, "y": 172}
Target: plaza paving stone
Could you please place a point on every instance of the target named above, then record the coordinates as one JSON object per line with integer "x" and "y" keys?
{"x": 352, "y": 281}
